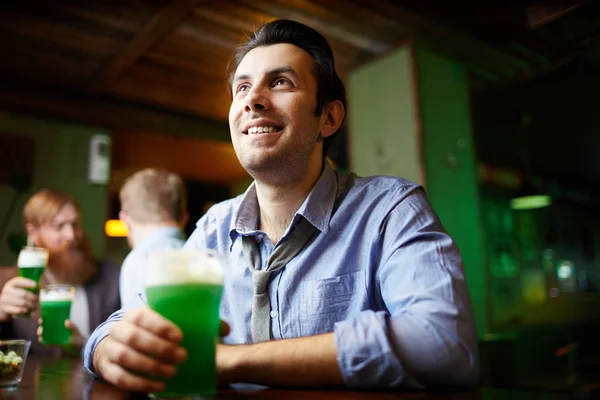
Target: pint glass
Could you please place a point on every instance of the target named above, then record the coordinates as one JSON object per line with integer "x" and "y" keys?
{"x": 31, "y": 262}
{"x": 185, "y": 287}
{"x": 55, "y": 301}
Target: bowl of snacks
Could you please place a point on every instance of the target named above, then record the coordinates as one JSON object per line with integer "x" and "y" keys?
{"x": 13, "y": 354}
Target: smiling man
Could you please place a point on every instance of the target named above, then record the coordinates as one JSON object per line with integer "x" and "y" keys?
{"x": 331, "y": 280}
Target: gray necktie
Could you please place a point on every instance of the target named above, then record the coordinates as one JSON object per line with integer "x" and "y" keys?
{"x": 299, "y": 238}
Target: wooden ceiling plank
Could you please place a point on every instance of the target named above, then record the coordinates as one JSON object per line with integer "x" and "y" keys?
{"x": 164, "y": 22}
{"x": 17, "y": 27}
{"x": 187, "y": 66}
{"x": 323, "y": 25}
{"x": 111, "y": 113}
{"x": 546, "y": 11}
{"x": 240, "y": 18}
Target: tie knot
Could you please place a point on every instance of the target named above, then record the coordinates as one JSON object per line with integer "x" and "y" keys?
{"x": 260, "y": 279}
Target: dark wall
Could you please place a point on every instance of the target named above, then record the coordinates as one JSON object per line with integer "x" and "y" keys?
{"x": 563, "y": 139}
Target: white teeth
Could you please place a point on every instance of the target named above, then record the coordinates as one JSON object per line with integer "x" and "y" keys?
{"x": 261, "y": 129}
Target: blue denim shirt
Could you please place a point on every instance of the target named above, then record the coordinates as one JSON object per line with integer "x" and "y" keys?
{"x": 133, "y": 271}
{"x": 382, "y": 275}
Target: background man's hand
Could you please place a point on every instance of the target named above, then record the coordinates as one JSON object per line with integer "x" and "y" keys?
{"x": 14, "y": 299}
{"x": 77, "y": 339}
{"x": 142, "y": 344}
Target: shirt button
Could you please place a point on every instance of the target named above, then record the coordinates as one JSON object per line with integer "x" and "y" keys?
{"x": 273, "y": 314}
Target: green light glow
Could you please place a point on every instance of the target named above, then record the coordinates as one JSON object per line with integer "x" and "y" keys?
{"x": 530, "y": 202}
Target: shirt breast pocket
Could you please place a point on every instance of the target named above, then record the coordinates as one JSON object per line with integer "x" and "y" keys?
{"x": 327, "y": 301}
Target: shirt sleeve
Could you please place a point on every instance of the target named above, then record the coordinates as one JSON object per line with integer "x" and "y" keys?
{"x": 103, "y": 330}
{"x": 428, "y": 335}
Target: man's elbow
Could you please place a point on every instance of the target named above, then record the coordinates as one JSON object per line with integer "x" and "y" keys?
{"x": 458, "y": 367}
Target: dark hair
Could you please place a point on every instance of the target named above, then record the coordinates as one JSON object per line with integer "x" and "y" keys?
{"x": 329, "y": 84}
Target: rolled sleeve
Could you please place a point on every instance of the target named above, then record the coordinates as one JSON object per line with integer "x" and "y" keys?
{"x": 103, "y": 330}
{"x": 365, "y": 356}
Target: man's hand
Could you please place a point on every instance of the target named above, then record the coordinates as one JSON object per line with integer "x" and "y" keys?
{"x": 77, "y": 340}
{"x": 15, "y": 299}
{"x": 143, "y": 344}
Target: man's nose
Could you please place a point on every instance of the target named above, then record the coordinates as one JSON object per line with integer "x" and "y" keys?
{"x": 257, "y": 100}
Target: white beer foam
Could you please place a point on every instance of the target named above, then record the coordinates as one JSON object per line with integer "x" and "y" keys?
{"x": 32, "y": 257}
{"x": 55, "y": 295}
{"x": 176, "y": 266}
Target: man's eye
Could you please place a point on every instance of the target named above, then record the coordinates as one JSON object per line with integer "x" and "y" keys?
{"x": 242, "y": 88}
{"x": 280, "y": 82}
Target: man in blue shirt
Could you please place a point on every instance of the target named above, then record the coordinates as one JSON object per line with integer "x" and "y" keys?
{"x": 376, "y": 297}
{"x": 154, "y": 209}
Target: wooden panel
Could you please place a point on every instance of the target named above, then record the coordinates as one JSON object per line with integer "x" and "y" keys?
{"x": 17, "y": 156}
{"x": 197, "y": 159}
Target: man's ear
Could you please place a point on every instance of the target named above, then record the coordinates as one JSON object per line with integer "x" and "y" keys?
{"x": 32, "y": 232}
{"x": 331, "y": 118}
{"x": 123, "y": 216}
{"x": 184, "y": 219}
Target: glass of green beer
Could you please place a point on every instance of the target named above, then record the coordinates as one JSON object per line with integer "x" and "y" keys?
{"x": 55, "y": 301}
{"x": 31, "y": 262}
{"x": 185, "y": 287}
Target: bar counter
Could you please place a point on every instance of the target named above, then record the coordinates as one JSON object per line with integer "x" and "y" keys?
{"x": 66, "y": 379}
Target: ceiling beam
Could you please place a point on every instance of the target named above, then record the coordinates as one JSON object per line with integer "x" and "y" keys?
{"x": 544, "y": 12}
{"x": 447, "y": 41}
{"x": 110, "y": 113}
{"x": 162, "y": 23}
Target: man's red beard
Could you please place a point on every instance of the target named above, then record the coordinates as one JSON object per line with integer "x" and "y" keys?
{"x": 73, "y": 265}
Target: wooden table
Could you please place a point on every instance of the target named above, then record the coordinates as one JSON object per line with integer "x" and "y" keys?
{"x": 46, "y": 379}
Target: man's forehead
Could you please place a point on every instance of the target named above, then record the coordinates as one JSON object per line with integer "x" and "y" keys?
{"x": 282, "y": 56}
{"x": 68, "y": 212}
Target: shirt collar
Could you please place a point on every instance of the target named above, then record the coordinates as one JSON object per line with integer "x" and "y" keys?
{"x": 316, "y": 208}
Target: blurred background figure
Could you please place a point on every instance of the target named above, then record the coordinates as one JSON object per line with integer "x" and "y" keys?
{"x": 53, "y": 221}
{"x": 154, "y": 209}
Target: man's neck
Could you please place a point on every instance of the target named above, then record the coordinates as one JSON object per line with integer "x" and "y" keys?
{"x": 279, "y": 203}
{"x": 139, "y": 232}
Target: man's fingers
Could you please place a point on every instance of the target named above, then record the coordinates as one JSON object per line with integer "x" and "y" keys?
{"x": 21, "y": 282}
{"x": 148, "y": 343}
{"x": 20, "y": 297}
{"x": 224, "y": 329}
{"x": 152, "y": 321}
{"x": 128, "y": 358}
{"x": 123, "y": 379}
{"x": 14, "y": 310}
{"x": 70, "y": 325}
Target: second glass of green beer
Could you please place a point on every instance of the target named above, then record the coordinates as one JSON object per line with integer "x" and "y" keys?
{"x": 185, "y": 287}
{"x": 31, "y": 262}
{"x": 55, "y": 301}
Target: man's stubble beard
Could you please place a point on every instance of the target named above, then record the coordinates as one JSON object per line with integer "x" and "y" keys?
{"x": 73, "y": 265}
{"x": 286, "y": 166}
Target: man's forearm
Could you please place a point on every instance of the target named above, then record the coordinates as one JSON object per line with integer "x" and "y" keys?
{"x": 301, "y": 362}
